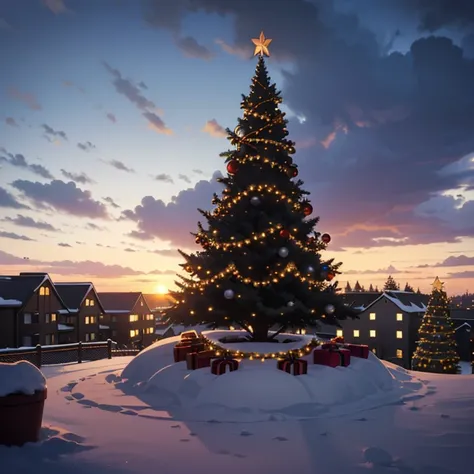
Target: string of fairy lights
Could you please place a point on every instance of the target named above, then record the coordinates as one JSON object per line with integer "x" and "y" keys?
{"x": 437, "y": 346}
{"x": 239, "y": 355}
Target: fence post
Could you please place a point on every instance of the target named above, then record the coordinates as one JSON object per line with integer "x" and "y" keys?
{"x": 79, "y": 352}
{"x": 109, "y": 348}
{"x": 38, "y": 356}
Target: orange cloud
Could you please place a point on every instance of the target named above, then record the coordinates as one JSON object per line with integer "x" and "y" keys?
{"x": 214, "y": 129}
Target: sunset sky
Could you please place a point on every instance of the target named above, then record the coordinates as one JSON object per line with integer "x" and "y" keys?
{"x": 113, "y": 116}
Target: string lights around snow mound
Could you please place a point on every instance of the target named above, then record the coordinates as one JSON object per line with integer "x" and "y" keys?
{"x": 259, "y": 264}
{"x": 437, "y": 350}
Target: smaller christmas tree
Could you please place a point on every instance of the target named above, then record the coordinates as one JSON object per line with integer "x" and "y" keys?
{"x": 391, "y": 284}
{"x": 436, "y": 351}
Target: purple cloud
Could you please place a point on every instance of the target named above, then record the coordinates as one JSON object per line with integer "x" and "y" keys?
{"x": 50, "y": 134}
{"x": 25, "y": 221}
{"x": 61, "y": 196}
{"x": 8, "y": 200}
{"x": 20, "y": 161}
{"x": 81, "y": 178}
{"x": 12, "y": 122}
{"x": 12, "y": 235}
{"x": 111, "y": 117}
{"x": 28, "y": 99}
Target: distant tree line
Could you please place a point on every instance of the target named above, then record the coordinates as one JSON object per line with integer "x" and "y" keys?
{"x": 390, "y": 285}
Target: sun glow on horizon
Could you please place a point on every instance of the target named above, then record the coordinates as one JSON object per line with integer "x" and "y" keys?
{"x": 161, "y": 289}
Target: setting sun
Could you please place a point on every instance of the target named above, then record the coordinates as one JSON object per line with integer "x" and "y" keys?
{"x": 161, "y": 289}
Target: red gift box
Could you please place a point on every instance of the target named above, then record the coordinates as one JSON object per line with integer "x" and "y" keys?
{"x": 300, "y": 366}
{"x": 199, "y": 360}
{"x": 182, "y": 348}
{"x": 189, "y": 335}
{"x": 332, "y": 357}
{"x": 218, "y": 366}
{"x": 358, "y": 350}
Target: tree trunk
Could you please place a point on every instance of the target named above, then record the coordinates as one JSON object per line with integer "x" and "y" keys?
{"x": 260, "y": 332}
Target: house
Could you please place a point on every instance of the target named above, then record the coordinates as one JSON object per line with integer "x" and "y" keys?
{"x": 129, "y": 318}
{"x": 29, "y": 308}
{"x": 158, "y": 303}
{"x": 84, "y": 314}
{"x": 388, "y": 325}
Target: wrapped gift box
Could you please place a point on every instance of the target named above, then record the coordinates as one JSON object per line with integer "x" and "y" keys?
{"x": 332, "y": 357}
{"x": 299, "y": 366}
{"x": 199, "y": 360}
{"x": 219, "y": 366}
{"x": 186, "y": 347}
{"x": 358, "y": 350}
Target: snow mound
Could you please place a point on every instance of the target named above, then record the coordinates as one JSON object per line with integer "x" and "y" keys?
{"x": 20, "y": 377}
{"x": 259, "y": 387}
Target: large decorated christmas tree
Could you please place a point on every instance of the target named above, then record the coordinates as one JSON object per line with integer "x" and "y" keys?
{"x": 436, "y": 351}
{"x": 260, "y": 266}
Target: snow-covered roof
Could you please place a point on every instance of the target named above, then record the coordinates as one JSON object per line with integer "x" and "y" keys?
{"x": 159, "y": 331}
{"x": 404, "y": 304}
{"x": 467, "y": 325}
{"x": 10, "y": 303}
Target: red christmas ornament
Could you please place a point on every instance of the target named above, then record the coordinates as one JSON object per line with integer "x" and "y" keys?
{"x": 330, "y": 276}
{"x": 284, "y": 234}
{"x": 326, "y": 238}
{"x": 307, "y": 209}
{"x": 198, "y": 240}
{"x": 232, "y": 167}
{"x": 292, "y": 171}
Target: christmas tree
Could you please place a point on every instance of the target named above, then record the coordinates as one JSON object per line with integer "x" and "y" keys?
{"x": 391, "y": 284}
{"x": 260, "y": 265}
{"x": 436, "y": 351}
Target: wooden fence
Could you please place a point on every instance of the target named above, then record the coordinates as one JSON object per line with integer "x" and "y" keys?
{"x": 66, "y": 353}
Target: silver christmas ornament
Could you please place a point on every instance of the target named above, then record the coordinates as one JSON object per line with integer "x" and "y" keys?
{"x": 310, "y": 269}
{"x": 239, "y": 131}
{"x": 255, "y": 201}
{"x": 329, "y": 309}
{"x": 290, "y": 304}
{"x": 283, "y": 252}
{"x": 228, "y": 294}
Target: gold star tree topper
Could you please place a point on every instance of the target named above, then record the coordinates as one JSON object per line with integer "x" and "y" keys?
{"x": 437, "y": 284}
{"x": 261, "y": 45}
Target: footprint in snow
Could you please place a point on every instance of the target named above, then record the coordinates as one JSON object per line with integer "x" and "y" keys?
{"x": 361, "y": 419}
{"x": 78, "y": 396}
{"x": 280, "y": 438}
{"x": 68, "y": 387}
{"x": 415, "y": 408}
{"x": 69, "y": 397}
{"x": 111, "y": 408}
{"x": 192, "y": 434}
{"x": 245, "y": 433}
{"x": 175, "y": 426}
{"x": 184, "y": 440}
{"x": 378, "y": 457}
{"x": 88, "y": 403}
{"x": 444, "y": 415}
{"x": 213, "y": 421}
{"x": 129, "y": 412}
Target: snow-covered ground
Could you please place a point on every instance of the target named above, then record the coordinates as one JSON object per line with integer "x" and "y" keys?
{"x": 370, "y": 417}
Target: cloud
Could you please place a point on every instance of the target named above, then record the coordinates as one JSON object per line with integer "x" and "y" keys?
{"x": 110, "y": 201}
{"x": 466, "y": 274}
{"x": 166, "y": 252}
{"x": 180, "y": 215}
{"x": 156, "y": 123}
{"x": 129, "y": 250}
{"x": 12, "y": 235}
{"x": 28, "y": 99}
{"x": 8, "y": 200}
{"x": 214, "y": 129}
{"x": 134, "y": 94}
{"x": 62, "y": 244}
{"x": 92, "y": 226}
{"x": 12, "y": 122}
{"x": 51, "y": 134}
{"x": 112, "y": 117}
{"x": 20, "y": 161}
{"x": 81, "y": 178}
{"x": 8, "y": 259}
{"x": 192, "y": 49}
{"x": 72, "y": 84}
{"x": 198, "y": 171}
{"x": 162, "y": 272}
{"x": 243, "y": 52}
{"x": 25, "y": 221}
{"x": 142, "y": 85}
{"x": 184, "y": 178}
{"x": 4, "y": 25}
{"x": 86, "y": 146}
{"x": 56, "y": 6}
{"x": 63, "y": 197}
{"x": 165, "y": 178}
{"x": 119, "y": 165}
{"x": 454, "y": 261}
{"x": 390, "y": 270}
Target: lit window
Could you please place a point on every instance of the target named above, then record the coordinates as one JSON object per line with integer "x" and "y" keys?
{"x": 141, "y": 303}
{"x": 27, "y": 318}
{"x": 356, "y": 333}
{"x": 53, "y": 317}
{"x": 90, "y": 336}
{"x": 399, "y": 335}
{"x": 46, "y": 292}
{"x": 399, "y": 316}
{"x": 373, "y": 333}
{"x": 91, "y": 302}
{"x": 87, "y": 302}
{"x": 133, "y": 318}
{"x": 339, "y": 332}
{"x": 43, "y": 291}
{"x": 90, "y": 319}
{"x": 399, "y": 354}
{"x": 372, "y": 316}
{"x": 133, "y": 332}
{"x": 149, "y": 330}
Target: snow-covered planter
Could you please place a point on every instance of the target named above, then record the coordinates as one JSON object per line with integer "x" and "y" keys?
{"x": 22, "y": 395}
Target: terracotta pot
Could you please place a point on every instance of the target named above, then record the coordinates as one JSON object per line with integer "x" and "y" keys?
{"x": 21, "y": 417}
